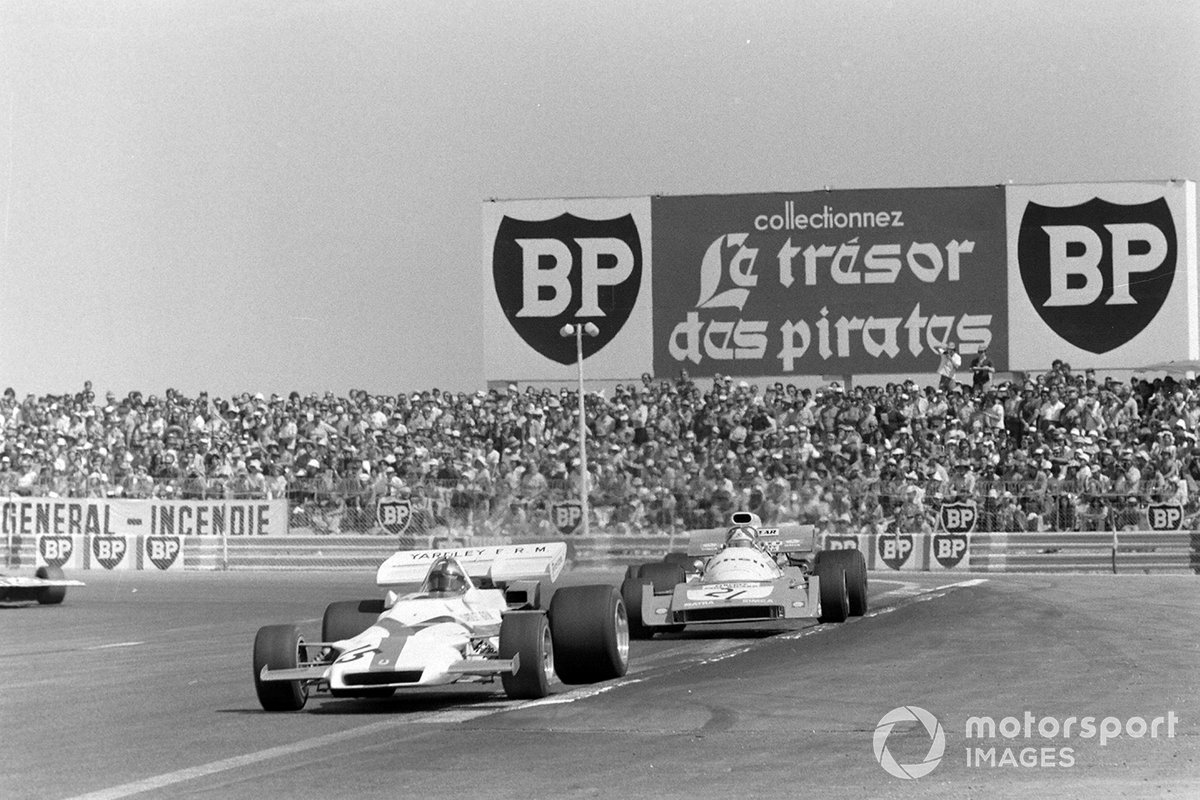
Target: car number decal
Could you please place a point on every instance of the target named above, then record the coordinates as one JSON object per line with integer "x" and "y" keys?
{"x": 730, "y": 591}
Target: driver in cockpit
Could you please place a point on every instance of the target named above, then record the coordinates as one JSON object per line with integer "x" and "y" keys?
{"x": 446, "y": 578}
{"x": 741, "y": 536}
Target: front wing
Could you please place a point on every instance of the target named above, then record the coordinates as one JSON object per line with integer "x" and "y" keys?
{"x": 318, "y": 672}
{"x": 695, "y": 602}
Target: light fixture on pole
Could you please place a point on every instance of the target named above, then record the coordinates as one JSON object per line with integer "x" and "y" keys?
{"x": 578, "y": 331}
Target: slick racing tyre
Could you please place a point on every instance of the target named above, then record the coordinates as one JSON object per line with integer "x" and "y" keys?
{"x": 525, "y": 635}
{"x": 279, "y": 647}
{"x": 348, "y": 618}
{"x": 590, "y": 628}
{"x": 835, "y": 599}
{"x": 631, "y": 595}
{"x": 50, "y": 595}
{"x": 663, "y": 577}
{"x": 680, "y": 558}
{"x": 856, "y": 581}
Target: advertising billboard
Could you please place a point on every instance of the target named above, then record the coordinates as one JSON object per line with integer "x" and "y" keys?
{"x": 842, "y": 282}
{"x": 550, "y": 263}
{"x": 1102, "y": 275}
{"x": 839, "y": 282}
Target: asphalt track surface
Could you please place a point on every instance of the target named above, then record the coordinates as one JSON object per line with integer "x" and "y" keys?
{"x": 140, "y": 686}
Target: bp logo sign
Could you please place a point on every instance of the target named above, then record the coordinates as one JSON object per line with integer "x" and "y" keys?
{"x": 1099, "y": 272}
{"x": 958, "y": 517}
{"x": 1165, "y": 517}
{"x": 937, "y": 742}
{"x": 567, "y": 517}
{"x": 56, "y": 550}
{"x": 109, "y": 551}
{"x": 565, "y": 270}
{"x": 393, "y": 514}
{"x": 162, "y": 551}
{"x": 895, "y": 549}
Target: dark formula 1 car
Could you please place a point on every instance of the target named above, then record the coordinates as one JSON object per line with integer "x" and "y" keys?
{"x": 747, "y": 573}
{"x": 48, "y": 587}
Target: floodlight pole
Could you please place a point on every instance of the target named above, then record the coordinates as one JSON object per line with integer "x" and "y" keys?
{"x": 578, "y": 330}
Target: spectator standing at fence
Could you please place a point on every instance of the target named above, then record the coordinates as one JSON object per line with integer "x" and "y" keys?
{"x": 982, "y": 369}
{"x": 949, "y": 365}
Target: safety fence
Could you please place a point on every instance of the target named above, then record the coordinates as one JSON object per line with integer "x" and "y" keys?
{"x": 1118, "y": 552}
{"x": 536, "y": 507}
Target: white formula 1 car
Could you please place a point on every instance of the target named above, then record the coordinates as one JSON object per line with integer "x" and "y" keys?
{"x": 48, "y": 587}
{"x": 477, "y": 616}
{"x": 747, "y": 573}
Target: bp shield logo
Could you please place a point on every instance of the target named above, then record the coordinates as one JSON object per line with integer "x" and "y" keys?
{"x": 1165, "y": 517}
{"x": 949, "y": 548}
{"x": 835, "y": 541}
{"x": 109, "y": 551}
{"x": 56, "y": 550}
{"x": 1099, "y": 272}
{"x": 567, "y": 516}
{"x": 393, "y": 514}
{"x": 958, "y": 517}
{"x": 894, "y": 549}
{"x": 566, "y": 270}
{"x": 162, "y": 550}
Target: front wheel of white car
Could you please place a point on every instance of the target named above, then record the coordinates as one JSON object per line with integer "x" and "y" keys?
{"x": 590, "y": 626}
{"x": 525, "y": 635}
{"x": 279, "y": 647}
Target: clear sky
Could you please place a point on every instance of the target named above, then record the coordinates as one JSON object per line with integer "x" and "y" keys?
{"x": 268, "y": 195}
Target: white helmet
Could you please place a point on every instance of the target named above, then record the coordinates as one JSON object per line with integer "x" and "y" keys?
{"x": 741, "y": 536}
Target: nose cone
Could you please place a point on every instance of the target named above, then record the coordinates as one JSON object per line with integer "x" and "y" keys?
{"x": 740, "y": 564}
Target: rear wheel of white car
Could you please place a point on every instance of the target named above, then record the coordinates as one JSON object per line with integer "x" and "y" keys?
{"x": 590, "y": 625}
{"x": 835, "y": 599}
{"x": 279, "y": 647}
{"x": 50, "y": 595}
{"x": 348, "y": 618}
{"x": 525, "y": 635}
{"x": 631, "y": 595}
{"x": 678, "y": 557}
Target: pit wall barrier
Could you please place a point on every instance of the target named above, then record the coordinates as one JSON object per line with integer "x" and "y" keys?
{"x": 1120, "y": 552}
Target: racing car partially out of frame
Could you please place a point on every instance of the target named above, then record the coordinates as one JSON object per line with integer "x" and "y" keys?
{"x": 48, "y": 587}
{"x": 477, "y": 615}
{"x": 747, "y": 573}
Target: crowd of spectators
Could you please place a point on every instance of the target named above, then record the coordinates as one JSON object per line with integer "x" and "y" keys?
{"x": 1056, "y": 450}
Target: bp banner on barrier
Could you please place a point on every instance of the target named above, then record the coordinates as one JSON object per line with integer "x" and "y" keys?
{"x": 899, "y": 551}
{"x": 77, "y": 551}
{"x": 61, "y": 516}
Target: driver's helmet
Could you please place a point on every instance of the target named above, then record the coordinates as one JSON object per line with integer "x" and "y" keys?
{"x": 446, "y": 576}
{"x": 741, "y": 536}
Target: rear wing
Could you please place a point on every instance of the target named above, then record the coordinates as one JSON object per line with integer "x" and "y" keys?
{"x": 499, "y": 565}
{"x": 784, "y": 539}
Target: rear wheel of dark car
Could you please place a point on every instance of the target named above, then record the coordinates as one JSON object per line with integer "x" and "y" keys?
{"x": 590, "y": 627}
{"x": 835, "y": 599}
